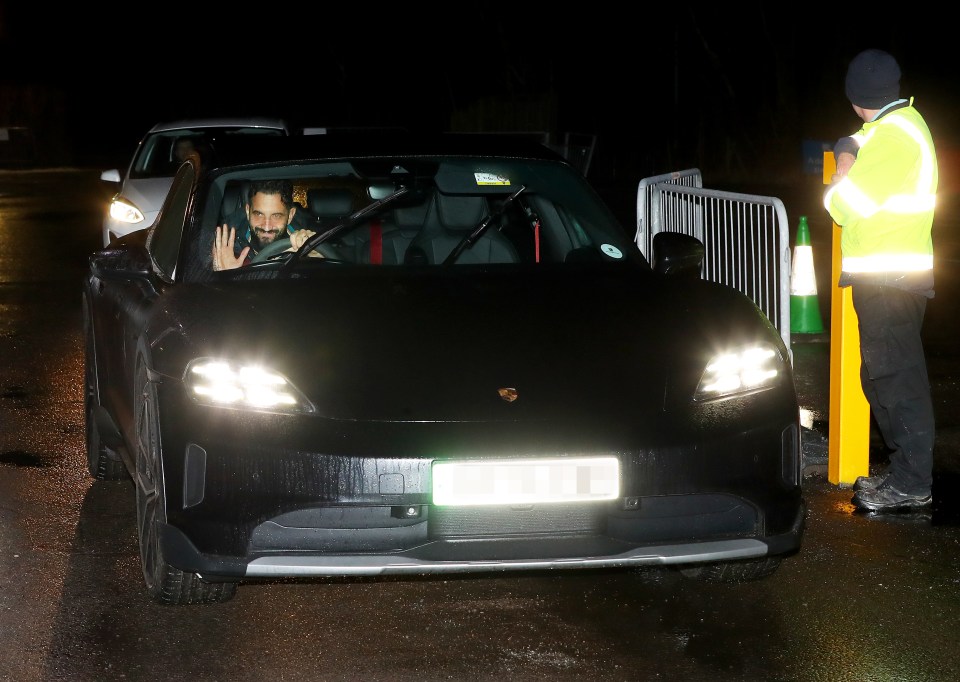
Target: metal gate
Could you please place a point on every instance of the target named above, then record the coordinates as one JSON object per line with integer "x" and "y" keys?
{"x": 745, "y": 236}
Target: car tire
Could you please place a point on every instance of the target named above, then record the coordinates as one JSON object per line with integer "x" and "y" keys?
{"x": 102, "y": 464}
{"x": 165, "y": 583}
{"x": 732, "y": 571}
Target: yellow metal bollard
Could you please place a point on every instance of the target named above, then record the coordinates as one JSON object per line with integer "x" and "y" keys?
{"x": 849, "y": 423}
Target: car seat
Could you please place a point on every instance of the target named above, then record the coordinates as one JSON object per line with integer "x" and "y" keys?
{"x": 397, "y": 230}
{"x": 450, "y": 219}
{"x": 232, "y": 210}
{"x": 329, "y": 205}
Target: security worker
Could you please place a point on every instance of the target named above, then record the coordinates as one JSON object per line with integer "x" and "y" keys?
{"x": 883, "y": 197}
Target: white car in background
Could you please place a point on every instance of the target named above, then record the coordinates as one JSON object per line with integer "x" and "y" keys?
{"x": 148, "y": 178}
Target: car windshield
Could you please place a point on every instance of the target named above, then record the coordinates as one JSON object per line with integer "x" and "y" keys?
{"x": 416, "y": 211}
{"x": 161, "y": 153}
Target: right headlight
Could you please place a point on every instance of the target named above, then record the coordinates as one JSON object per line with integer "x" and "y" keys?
{"x": 739, "y": 371}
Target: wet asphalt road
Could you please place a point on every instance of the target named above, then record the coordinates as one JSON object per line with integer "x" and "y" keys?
{"x": 867, "y": 598}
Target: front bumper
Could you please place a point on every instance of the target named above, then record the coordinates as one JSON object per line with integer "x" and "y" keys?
{"x": 659, "y": 532}
{"x": 242, "y": 506}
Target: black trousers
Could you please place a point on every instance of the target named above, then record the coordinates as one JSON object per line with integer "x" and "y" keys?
{"x": 893, "y": 373}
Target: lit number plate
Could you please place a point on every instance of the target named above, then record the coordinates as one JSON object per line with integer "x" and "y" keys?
{"x": 526, "y": 481}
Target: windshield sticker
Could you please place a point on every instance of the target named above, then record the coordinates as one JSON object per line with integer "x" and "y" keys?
{"x": 491, "y": 179}
{"x": 611, "y": 250}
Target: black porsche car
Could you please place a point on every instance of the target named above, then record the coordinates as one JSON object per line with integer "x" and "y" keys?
{"x": 482, "y": 372}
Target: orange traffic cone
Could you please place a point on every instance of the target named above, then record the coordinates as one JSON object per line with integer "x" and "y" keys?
{"x": 804, "y": 306}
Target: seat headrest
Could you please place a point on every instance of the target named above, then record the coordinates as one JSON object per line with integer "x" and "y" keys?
{"x": 460, "y": 213}
{"x": 410, "y": 216}
{"x": 234, "y": 200}
{"x": 330, "y": 203}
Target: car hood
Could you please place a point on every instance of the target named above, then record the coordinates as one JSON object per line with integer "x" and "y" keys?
{"x": 445, "y": 347}
{"x": 147, "y": 194}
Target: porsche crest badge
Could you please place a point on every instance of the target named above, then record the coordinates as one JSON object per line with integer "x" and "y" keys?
{"x": 508, "y": 394}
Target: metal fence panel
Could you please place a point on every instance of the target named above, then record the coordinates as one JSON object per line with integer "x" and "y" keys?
{"x": 745, "y": 236}
{"x": 646, "y": 207}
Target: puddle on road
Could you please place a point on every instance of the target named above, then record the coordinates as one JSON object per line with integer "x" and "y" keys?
{"x": 19, "y": 458}
{"x": 14, "y": 393}
{"x": 945, "y": 510}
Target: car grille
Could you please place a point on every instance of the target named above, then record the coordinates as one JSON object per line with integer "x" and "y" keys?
{"x": 498, "y": 521}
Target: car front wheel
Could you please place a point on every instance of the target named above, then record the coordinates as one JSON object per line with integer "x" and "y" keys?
{"x": 165, "y": 583}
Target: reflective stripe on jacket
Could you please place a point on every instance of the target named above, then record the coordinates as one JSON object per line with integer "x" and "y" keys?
{"x": 885, "y": 204}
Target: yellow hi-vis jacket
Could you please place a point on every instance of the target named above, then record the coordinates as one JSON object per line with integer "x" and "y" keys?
{"x": 885, "y": 204}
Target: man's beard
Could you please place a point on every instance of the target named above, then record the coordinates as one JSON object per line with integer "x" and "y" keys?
{"x": 258, "y": 244}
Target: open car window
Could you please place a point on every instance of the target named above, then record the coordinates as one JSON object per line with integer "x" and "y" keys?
{"x": 485, "y": 212}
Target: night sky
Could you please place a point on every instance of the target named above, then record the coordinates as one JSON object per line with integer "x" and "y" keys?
{"x": 731, "y": 87}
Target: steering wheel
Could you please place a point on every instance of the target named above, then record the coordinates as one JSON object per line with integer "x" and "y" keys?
{"x": 280, "y": 245}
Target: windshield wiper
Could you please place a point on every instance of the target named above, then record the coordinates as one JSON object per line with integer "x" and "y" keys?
{"x": 341, "y": 227}
{"x": 482, "y": 227}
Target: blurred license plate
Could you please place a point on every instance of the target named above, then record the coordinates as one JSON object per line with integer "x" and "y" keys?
{"x": 526, "y": 481}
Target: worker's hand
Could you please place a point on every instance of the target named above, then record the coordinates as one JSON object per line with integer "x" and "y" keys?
{"x": 222, "y": 253}
{"x": 844, "y": 162}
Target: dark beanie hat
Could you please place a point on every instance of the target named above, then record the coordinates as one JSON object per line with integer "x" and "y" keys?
{"x": 873, "y": 79}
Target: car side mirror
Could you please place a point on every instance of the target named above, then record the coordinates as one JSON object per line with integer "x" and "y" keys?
{"x": 112, "y": 175}
{"x": 677, "y": 254}
{"x": 125, "y": 262}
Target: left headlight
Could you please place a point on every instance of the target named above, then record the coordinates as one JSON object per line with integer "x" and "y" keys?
{"x": 213, "y": 381}
{"x": 739, "y": 371}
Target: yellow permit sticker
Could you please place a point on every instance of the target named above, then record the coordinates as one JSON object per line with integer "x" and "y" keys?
{"x": 491, "y": 179}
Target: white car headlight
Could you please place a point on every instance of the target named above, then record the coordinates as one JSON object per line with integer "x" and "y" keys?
{"x": 125, "y": 212}
{"x": 739, "y": 371}
{"x": 218, "y": 382}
